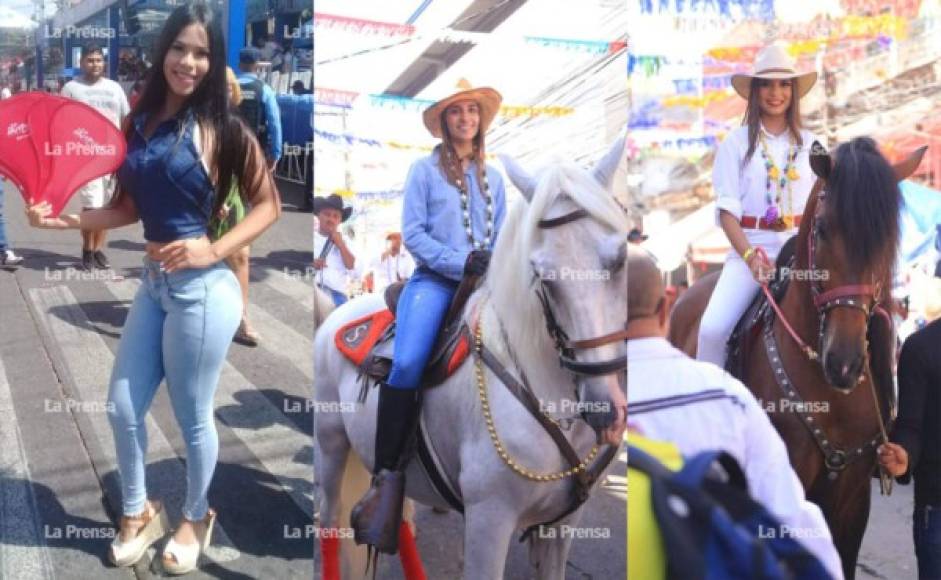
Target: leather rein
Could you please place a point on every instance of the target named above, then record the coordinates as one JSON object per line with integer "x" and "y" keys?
{"x": 846, "y": 296}
{"x": 564, "y": 346}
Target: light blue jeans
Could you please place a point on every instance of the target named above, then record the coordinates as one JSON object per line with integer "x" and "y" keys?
{"x": 179, "y": 328}
{"x": 419, "y": 315}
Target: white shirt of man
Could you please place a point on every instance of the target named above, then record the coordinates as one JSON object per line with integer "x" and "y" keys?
{"x": 699, "y": 407}
{"x": 5, "y": 93}
{"x": 391, "y": 269}
{"x": 105, "y": 96}
{"x": 108, "y": 98}
{"x": 334, "y": 274}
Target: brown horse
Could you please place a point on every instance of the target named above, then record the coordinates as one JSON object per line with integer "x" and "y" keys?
{"x": 824, "y": 402}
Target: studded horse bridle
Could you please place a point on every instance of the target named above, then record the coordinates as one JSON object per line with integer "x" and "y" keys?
{"x": 566, "y": 347}
{"x": 846, "y": 296}
{"x": 836, "y": 458}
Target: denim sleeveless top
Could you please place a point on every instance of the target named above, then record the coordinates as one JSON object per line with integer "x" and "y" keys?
{"x": 167, "y": 180}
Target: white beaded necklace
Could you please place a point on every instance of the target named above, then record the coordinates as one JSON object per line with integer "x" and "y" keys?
{"x": 465, "y": 204}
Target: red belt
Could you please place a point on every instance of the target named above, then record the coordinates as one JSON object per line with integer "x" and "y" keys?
{"x": 750, "y": 222}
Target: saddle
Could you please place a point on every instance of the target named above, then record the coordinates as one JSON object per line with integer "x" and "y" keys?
{"x": 748, "y": 328}
{"x": 368, "y": 341}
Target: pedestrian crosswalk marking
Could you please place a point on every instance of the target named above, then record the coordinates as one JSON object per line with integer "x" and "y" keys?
{"x": 88, "y": 362}
{"x": 298, "y": 288}
{"x": 23, "y": 551}
{"x": 271, "y": 440}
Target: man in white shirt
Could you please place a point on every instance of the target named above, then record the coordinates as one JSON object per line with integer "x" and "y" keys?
{"x": 333, "y": 260}
{"x": 698, "y": 407}
{"x": 5, "y": 92}
{"x": 393, "y": 265}
{"x": 108, "y": 98}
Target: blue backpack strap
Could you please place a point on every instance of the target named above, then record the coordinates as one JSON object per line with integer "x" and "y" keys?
{"x": 696, "y": 469}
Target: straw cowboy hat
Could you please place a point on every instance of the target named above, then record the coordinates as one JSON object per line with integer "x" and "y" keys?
{"x": 487, "y": 99}
{"x": 773, "y": 62}
{"x": 332, "y": 201}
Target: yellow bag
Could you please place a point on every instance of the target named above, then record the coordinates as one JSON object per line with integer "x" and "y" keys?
{"x": 646, "y": 557}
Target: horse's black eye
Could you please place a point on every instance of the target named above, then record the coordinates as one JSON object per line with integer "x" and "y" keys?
{"x": 821, "y": 229}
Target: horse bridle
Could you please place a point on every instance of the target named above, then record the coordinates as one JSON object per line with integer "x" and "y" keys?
{"x": 564, "y": 346}
{"x": 846, "y": 296}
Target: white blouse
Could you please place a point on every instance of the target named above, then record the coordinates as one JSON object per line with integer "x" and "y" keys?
{"x": 743, "y": 192}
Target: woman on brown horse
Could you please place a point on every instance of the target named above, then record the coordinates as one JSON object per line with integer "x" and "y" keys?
{"x": 762, "y": 179}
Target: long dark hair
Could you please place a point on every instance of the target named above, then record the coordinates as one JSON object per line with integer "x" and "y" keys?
{"x": 448, "y": 160}
{"x": 235, "y": 154}
{"x": 752, "y": 118}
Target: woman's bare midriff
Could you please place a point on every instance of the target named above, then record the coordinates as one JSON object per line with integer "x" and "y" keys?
{"x": 153, "y": 248}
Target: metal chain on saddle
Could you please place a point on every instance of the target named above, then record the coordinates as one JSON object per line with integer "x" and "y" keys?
{"x": 835, "y": 459}
{"x": 498, "y": 445}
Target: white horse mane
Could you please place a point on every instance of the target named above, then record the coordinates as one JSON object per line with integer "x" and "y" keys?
{"x": 509, "y": 282}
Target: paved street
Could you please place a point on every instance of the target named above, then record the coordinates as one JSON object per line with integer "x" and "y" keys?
{"x": 58, "y": 482}
{"x": 887, "y": 552}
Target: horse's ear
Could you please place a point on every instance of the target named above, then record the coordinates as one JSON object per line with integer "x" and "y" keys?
{"x": 519, "y": 176}
{"x": 820, "y": 161}
{"x": 904, "y": 169}
{"x": 604, "y": 170}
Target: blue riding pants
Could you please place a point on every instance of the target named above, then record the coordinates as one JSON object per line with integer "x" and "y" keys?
{"x": 179, "y": 328}
{"x": 421, "y": 310}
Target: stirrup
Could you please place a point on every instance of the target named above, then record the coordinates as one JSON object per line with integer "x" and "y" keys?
{"x": 186, "y": 556}
{"x": 123, "y": 554}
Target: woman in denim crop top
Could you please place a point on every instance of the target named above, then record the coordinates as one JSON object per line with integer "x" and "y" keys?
{"x": 452, "y": 212}
{"x": 185, "y": 152}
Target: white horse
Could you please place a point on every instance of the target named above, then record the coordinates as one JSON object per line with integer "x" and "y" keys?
{"x": 566, "y": 239}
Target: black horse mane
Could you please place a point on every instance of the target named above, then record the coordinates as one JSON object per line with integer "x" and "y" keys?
{"x": 863, "y": 201}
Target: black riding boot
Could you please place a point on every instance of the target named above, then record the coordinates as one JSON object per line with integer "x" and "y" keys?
{"x": 376, "y": 518}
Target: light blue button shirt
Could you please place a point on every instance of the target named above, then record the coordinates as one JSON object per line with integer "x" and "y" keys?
{"x": 432, "y": 219}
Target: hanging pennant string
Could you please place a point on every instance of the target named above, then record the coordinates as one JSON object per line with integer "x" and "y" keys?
{"x": 346, "y": 99}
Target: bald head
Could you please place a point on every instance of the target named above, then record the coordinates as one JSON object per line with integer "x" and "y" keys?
{"x": 644, "y": 284}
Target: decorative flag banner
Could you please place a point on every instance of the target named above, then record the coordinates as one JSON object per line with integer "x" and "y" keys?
{"x": 362, "y": 26}
{"x": 51, "y": 146}
{"x": 335, "y": 97}
{"x": 694, "y": 101}
{"x": 760, "y": 9}
{"x": 352, "y": 140}
{"x": 649, "y": 64}
{"x": 345, "y": 99}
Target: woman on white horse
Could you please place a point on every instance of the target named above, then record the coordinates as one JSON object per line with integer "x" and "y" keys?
{"x": 762, "y": 179}
{"x": 453, "y": 207}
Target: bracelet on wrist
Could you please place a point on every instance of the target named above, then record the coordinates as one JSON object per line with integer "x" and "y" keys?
{"x": 747, "y": 254}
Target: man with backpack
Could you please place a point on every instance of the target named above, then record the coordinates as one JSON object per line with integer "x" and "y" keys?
{"x": 259, "y": 106}
{"x": 698, "y": 407}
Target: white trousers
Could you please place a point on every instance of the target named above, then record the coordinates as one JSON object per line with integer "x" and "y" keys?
{"x": 734, "y": 291}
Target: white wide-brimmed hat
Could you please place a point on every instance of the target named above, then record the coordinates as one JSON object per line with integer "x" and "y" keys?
{"x": 773, "y": 62}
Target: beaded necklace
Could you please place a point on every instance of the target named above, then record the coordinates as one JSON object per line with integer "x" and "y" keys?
{"x": 782, "y": 179}
{"x": 465, "y": 203}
